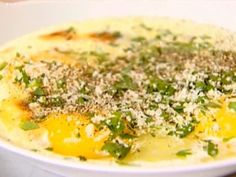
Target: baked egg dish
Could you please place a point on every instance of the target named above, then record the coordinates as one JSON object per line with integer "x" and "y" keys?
{"x": 131, "y": 91}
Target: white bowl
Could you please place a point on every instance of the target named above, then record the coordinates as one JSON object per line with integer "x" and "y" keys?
{"x": 26, "y": 16}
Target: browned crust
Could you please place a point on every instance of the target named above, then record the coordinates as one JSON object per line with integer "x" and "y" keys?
{"x": 70, "y": 34}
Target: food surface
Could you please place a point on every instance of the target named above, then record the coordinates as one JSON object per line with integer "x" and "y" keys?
{"x": 132, "y": 91}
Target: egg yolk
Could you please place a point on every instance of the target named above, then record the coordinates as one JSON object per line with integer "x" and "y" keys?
{"x": 73, "y": 135}
{"x": 220, "y": 124}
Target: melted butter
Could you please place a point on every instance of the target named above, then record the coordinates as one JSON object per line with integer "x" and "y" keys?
{"x": 160, "y": 148}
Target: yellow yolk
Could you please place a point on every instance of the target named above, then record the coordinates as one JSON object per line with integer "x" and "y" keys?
{"x": 226, "y": 119}
{"x": 73, "y": 135}
{"x": 221, "y": 123}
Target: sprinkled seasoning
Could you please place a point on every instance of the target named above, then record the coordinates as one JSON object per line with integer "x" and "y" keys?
{"x": 155, "y": 85}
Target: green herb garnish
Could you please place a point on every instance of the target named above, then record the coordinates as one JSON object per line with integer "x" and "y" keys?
{"x": 214, "y": 105}
{"x": 35, "y": 83}
{"x": 100, "y": 56}
{"x": 71, "y": 29}
{"x": 28, "y": 125}
{"x": 139, "y": 39}
{"x": 145, "y": 27}
{"x": 228, "y": 138}
{"x": 39, "y": 92}
{"x": 116, "y": 34}
{"x": 57, "y": 102}
{"x": 49, "y": 149}
{"x": 162, "y": 86}
{"x": 211, "y": 148}
{"x": 61, "y": 84}
{"x": 232, "y": 105}
{"x": 185, "y": 130}
{"x": 179, "y": 108}
{"x": 3, "y": 65}
{"x": 82, "y": 158}
{"x": 127, "y": 136}
{"x": 25, "y": 78}
{"x": 81, "y": 100}
{"x": 116, "y": 124}
{"x": 125, "y": 83}
{"x": 116, "y": 150}
{"x": 184, "y": 153}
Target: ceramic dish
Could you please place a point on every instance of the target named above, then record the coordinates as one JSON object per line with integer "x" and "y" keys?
{"x": 34, "y": 15}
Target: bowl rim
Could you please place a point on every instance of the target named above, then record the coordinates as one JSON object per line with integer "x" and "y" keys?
{"x": 114, "y": 168}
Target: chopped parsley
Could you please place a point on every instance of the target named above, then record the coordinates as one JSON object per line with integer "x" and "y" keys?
{"x": 3, "y": 65}
{"x": 185, "y": 130}
{"x": 61, "y": 83}
{"x": 57, "y": 102}
{"x": 162, "y": 86}
{"x": 106, "y": 35}
{"x": 184, "y": 153}
{"x": 232, "y": 105}
{"x": 139, "y": 39}
{"x": 211, "y": 148}
{"x": 39, "y": 92}
{"x": 71, "y": 30}
{"x": 214, "y": 105}
{"x": 28, "y": 125}
{"x": 81, "y": 100}
{"x": 49, "y": 149}
{"x": 36, "y": 83}
{"x": 228, "y": 138}
{"x": 24, "y": 77}
{"x": 116, "y": 123}
{"x": 82, "y": 158}
{"x": 145, "y": 27}
{"x": 125, "y": 83}
{"x": 116, "y": 150}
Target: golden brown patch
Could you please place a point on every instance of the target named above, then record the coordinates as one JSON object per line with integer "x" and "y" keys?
{"x": 12, "y": 111}
{"x": 22, "y": 105}
{"x": 67, "y": 34}
{"x": 72, "y": 34}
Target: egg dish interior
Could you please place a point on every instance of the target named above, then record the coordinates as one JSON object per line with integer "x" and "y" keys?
{"x": 131, "y": 91}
